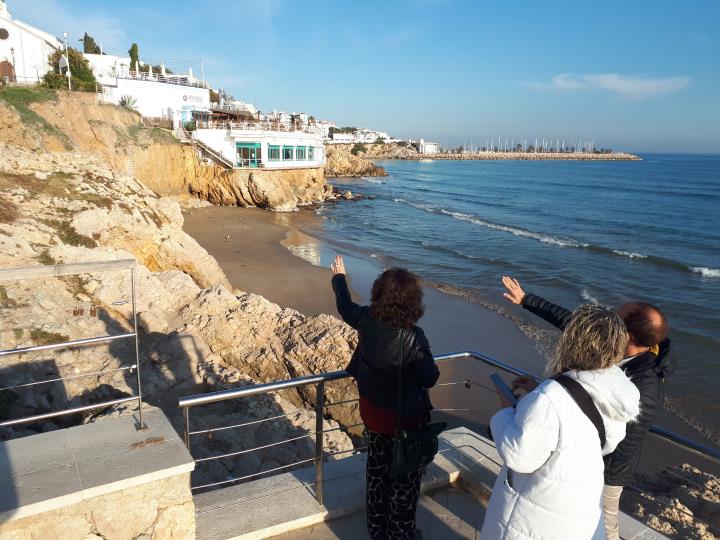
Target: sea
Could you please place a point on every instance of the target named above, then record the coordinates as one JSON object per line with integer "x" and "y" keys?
{"x": 605, "y": 232}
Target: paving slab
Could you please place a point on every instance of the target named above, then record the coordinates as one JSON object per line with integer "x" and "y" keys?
{"x": 47, "y": 450}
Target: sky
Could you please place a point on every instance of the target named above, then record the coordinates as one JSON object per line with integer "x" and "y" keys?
{"x": 640, "y": 76}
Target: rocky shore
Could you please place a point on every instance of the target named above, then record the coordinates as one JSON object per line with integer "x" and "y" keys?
{"x": 73, "y": 201}
{"x": 341, "y": 162}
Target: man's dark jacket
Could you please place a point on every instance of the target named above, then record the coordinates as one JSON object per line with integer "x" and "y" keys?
{"x": 374, "y": 364}
{"x": 647, "y": 371}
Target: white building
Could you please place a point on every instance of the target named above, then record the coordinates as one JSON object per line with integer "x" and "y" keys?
{"x": 324, "y": 127}
{"x": 263, "y": 145}
{"x": 426, "y": 147}
{"x": 157, "y": 95}
{"x": 24, "y": 50}
{"x": 361, "y": 135}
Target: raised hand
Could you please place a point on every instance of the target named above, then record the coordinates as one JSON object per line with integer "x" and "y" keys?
{"x": 338, "y": 266}
{"x": 514, "y": 291}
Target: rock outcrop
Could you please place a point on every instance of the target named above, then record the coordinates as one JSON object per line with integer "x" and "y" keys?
{"x": 57, "y": 121}
{"x": 196, "y": 333}
{"x": 342, "y": 162}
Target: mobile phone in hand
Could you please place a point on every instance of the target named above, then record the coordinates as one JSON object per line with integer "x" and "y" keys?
{"x": 503, "y": 388}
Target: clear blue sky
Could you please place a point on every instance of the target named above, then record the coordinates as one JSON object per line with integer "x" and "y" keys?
{"x": 640, "y": 75}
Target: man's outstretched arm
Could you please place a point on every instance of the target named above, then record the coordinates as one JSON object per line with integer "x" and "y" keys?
{"x": 556, "y": 315}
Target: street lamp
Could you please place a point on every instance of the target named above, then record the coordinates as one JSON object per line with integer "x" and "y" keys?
{"x": 67, "y": 59}
{"x": 14, "y": 71}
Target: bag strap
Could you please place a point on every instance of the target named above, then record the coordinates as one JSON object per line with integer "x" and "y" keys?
{"x": 585, "y": 402}
{"x": 398, "y": 420}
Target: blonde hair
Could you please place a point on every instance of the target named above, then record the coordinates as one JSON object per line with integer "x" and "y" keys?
{"x": 595, "y": 338}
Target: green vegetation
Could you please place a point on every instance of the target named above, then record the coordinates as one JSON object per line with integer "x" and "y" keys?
{"x": 162, "y": 136}
{"x": 89, "y": 45}
{"x": 8, "y": 210}
{"x": 358, "y": 148}
{"x": 128, "y": 102}
{"x": 342, "y": 130}
{"x": 68, "y": 235}
{"x": 82, "y": 77}
{"x": 134, "y": 54}
{"x": 20, "y": 99}
{"x": 18, "y": 333}
{"x": 4, "y": 300}
{"x": 379, "y": 140}
{"x": 191, "y": 125}
{"x": 45, "y": 258}
{"x": 41, "y": 337}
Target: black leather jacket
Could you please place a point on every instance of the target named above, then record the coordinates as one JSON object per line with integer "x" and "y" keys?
{"x": 647, "y": 371}
{"x": 374, "y": 364}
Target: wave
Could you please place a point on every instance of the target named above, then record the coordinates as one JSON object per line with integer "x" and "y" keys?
{"x": 564, "y": 242}
{"x": 585, "y": 294}
{"x": 629, "y": 254}
{"x": 705, "y": 271}
{"x": 374, "y": 180}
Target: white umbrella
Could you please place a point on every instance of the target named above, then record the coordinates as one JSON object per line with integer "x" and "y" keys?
{"x": 150, "y": 73}
{"x": 162, "y": 69}
{"x": 137, "y": 66}
{"x": 191, "y": 78}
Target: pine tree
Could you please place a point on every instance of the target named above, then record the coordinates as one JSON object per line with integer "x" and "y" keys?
{"x": 134, "y": 53}
{"x": 89, "y": 45}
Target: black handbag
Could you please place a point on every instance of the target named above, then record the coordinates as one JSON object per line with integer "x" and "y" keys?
{"x": 416, "y": 448}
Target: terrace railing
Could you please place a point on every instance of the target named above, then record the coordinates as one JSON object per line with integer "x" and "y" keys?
{"x": 259, "y": 126}
{"x": 319, "y": 383}
{"x": 59, "y": 270}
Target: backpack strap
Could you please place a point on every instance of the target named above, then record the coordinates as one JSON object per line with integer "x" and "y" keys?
{"x": 585, "y": 402}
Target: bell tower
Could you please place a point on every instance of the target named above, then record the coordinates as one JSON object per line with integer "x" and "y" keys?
{"x": 4, "y": 13}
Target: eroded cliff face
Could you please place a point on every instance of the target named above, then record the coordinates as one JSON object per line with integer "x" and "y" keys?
{"x": 47, "y": 121}
{"x": 342, "y": 162}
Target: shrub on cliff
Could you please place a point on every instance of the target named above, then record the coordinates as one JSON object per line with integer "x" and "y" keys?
{"x": 82, "y": 77}
{"x": 358, "y": 148}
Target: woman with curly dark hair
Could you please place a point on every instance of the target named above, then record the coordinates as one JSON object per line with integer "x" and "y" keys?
{"x": 389, "y": 343}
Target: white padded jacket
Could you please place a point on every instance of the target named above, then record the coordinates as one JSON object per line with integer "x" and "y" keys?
{"x": 550, "y": 485}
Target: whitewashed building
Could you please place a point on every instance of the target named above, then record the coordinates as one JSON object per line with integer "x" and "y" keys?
{"x": 24, "y": 49}
{"x": 361, "y": 135}
{"x": 171, "y": 96}
{"x": 426, "y": 147}
{"x": 266, "y": 145}
{"x": 324, "y": 127}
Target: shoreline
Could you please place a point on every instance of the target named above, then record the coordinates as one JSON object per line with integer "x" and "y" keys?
{"x": 284, "y": 261}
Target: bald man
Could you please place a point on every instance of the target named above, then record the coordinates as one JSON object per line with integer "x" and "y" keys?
{"x": 649, "y": 358}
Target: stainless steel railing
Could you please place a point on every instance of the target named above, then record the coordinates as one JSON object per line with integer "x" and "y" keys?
{"x": 60, "y": 270}
{"x": 319, "y": 382}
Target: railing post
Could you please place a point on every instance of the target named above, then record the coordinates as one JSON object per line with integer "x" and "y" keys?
{"x": 319, "y": 409}
{"x": 186, "y": 422}
{"x": 142, "y": 425}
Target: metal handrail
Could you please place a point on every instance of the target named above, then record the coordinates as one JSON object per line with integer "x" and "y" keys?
{"x": 59, "y": 270}
{"x": 320, "y": 379}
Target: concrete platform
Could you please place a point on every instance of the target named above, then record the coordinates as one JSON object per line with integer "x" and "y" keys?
{"x": 284, "y": 506}
{"x": 52, "y": 470}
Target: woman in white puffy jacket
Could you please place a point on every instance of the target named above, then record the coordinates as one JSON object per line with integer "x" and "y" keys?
{"x": 550, "y": 485}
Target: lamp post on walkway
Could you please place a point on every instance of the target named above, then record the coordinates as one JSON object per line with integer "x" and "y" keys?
{"x": 67, "y": 59}
{"x": 14, "y": 70}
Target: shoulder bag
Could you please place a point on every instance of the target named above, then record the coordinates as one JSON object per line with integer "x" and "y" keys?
{"x": 412, "y": 449}
{"x": 585, "y": 402}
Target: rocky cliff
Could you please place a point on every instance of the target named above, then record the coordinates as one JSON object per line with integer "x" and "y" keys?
{"x": 342, "y": 162}
{"x": 49, "y": 121}
{"x": 66, "y": 196}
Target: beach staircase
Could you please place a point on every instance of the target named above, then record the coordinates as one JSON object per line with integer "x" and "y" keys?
{"x": 206, "y": 151}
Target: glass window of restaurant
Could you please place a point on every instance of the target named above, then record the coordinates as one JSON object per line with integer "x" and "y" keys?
{"x": 311, "y": 153}
{"x": 273, "y": 153}
{"x": 248, "y": 154}
{"x": 288, "y": 152}
{"x": 301, "y": 152}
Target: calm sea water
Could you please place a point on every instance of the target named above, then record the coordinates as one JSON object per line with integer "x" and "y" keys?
{"x": 572, "y": 232}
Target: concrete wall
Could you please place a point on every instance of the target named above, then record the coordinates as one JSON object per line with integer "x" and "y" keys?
{"x": 105, "y": 479}
{"x": 159, "y": 100}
